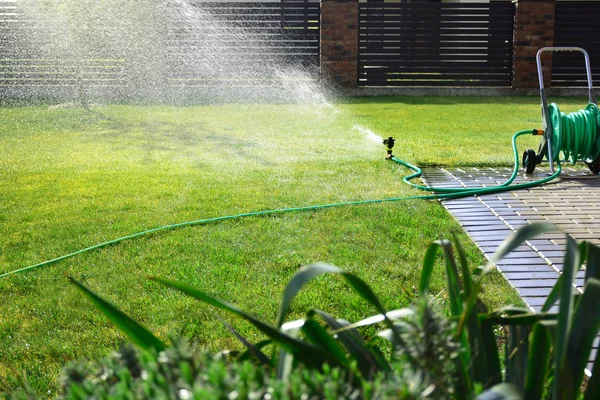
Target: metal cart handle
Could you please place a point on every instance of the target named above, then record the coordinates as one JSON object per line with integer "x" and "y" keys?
{"x": 545, "y": 117}
{"x": 592, "y": 97}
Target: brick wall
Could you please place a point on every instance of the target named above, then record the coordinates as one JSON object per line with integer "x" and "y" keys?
{"x": 533, "y": 29}
{"x": 339, "y": 42}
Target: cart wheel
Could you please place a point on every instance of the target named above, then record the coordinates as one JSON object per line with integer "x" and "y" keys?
{"x": 594, "y": 166}
{"x": 529, "y": 160}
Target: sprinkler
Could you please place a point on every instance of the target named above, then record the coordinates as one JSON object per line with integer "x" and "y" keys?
{"x": 575, "y": 135}
{"x": 389, "y": 142}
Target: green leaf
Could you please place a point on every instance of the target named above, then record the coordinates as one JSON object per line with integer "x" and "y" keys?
{"x": 246, "y": 355}
{"x": 592, "y": 265}
{"x": 133, "y": 330}
{"x": 565, "y": 314}
{"x": 311, "y": 271}
{"x": 453, "y": 280}
{"x": 517, "y": 353}
{"x": 251, "y": 348}
{"x": 391, "y": 315}
{"x": 367, "y": 361}
{"x": 427, "y": 269}
{"x": 554, "y": 295}
{"x": 303, "y": 351}
{"x": 319, "y": 336}
{"x": 489, "y": 350}
{"x": 538, "y": 362}
{"x": 584, "y": 329}
{"x": 467, "y": 279}
{"x": 521, "y": 236}
{"x": 592, "y": 391}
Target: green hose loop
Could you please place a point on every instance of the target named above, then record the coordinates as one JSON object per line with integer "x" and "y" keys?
{"x": 438, "y": 193}
{"x": 576, "y": 135}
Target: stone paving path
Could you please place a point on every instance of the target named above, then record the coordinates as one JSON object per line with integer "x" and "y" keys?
{"x": 571, "y": 202}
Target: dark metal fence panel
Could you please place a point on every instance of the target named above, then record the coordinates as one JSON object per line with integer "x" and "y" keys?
{"x": 435, "y": 44}
{"x": 47, "y": 51}
{"x": 576, "y": 24}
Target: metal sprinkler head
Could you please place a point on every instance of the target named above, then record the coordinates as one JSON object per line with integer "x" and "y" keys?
{"x": 389, "y": 142}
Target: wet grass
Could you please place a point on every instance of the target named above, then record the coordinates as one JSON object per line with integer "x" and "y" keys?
{"x": 71, "y": 178}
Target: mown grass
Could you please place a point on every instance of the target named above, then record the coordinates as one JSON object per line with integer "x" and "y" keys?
{"x": 71, "y": 178}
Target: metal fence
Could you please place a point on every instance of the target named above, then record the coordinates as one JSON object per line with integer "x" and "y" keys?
{"x": 576, "y": 24}
{"x": 435, "y": 44}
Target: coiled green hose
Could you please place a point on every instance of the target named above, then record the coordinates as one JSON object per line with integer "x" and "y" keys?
{"x": 439, "y": 193}
{"x": 575, "y": 134}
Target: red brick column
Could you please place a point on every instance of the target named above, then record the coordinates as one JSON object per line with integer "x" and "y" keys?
{"x": 339, "y": 42}
{"x": 533, "y": 29}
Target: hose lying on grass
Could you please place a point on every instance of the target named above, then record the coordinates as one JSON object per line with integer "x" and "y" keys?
{"x": 437, "y": 193}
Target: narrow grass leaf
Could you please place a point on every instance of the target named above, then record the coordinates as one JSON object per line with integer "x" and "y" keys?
{"x": 132, "y": 329}
{"x": 319, "y": 336}
{"x": 392, "y": 315}
{"x": 592, "y": 391}
{"x": 452, "y": 277}
{"x": 517, "y": 354}
{"x": 584, "y": 329}
{"x": 554, "y": 295}
{"x": 565, "y": 313}
{"x": 467, "y": 279}
{"x": 251, "y": 348}
{"x": 489, "y": 350}
{"x": 367, "y": 361}
{"x": 308, "y": 272}
{"x": 427, "y": 269}
{"x": 305, "y": 352}
{"x": 592, "y": 265}
{"x": 537, "y": 364}
{"x": 521, "y": 236}
{"x": 247, "y": 355}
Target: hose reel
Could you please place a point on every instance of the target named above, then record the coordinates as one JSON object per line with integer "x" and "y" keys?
{"x": 575, "y": 135}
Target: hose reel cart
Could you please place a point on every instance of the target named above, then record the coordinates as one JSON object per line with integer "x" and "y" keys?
{"x": 575, "y": 135}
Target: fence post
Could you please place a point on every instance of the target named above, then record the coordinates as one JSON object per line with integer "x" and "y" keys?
{"x": 533, "y": 29}
{"x": 339, "y": 42}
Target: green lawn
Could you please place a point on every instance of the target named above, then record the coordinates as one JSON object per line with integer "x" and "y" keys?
{"x": 72, "y": 178}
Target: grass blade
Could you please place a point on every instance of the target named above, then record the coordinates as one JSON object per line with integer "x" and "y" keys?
{"x": 367, "y": 362}
{"x": 251, "y": 348}
{"x": 304, "y": 275}
{"x": 585, "y": 327}
{"x": 246, "y": 355}
{"x": 592, "y": 265}
{"x": 306, "y": 352}
{"x": 427, "y": 270}
{"x": 467, "y": 279}
{"x": 489, "y": 351}
{"x": 539, "y": 357}
{"x": 565, "y": 313}
{"x": 319, "y": 336}
{"x": 521, "y": 236}
{"x": 134, "y": 331}
{"x": 311, "y": 271}
{"x": 453, "y": 280}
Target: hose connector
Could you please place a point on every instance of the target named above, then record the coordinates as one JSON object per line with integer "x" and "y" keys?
{"x": 537, "y": 132}
{"x": 389, "y": 142}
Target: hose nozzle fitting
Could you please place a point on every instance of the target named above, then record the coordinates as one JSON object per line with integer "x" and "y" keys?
{"x": 389, "y": 142}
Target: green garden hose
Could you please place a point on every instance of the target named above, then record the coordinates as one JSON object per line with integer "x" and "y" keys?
{"x": 575, "y": 134}
{"x": 439, "y": 193}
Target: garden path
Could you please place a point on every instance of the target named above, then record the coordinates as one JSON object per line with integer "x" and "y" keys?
{"x": 571, "y": 202}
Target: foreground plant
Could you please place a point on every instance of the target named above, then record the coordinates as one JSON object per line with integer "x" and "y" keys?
{"x": 546, "y": 353}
